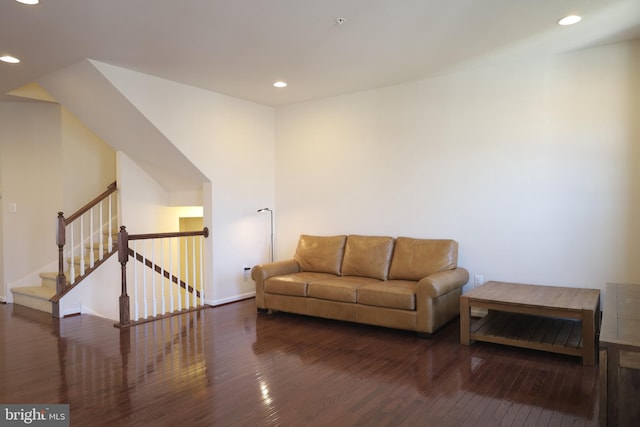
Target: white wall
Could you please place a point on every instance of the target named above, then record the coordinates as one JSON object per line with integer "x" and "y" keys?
{"x": 143, "y": 203}
{"x": 533, "y": 166}
{"x": 97, "y": 294}
{"x": 231, "y": 142}
{"x": 88, "y": 163}
{"x": 30, "y": 141}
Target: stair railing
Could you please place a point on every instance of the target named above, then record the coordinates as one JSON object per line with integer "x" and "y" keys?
{"x": 85, "y": 232}
{"x": 170, "y": 280}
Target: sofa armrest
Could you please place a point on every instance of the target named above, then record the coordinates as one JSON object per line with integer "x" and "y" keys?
{"x": 442, "y": 282}
{"x": 260, "y": 273}
{"x": 436, "y": 299}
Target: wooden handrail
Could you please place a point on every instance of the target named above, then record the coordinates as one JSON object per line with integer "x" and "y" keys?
{"x": 110, "y": 189}
{"x": 204, "y": 232}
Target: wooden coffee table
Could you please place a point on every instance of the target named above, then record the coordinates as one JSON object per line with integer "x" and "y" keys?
{"x": 549, "y": 318}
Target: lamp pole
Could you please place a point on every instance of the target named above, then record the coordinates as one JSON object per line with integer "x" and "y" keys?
{"x": 272, "y": 236}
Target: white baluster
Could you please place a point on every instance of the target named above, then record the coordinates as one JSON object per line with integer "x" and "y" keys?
{"x": 144, "y": 281}
{"x": 162, "y": 279}
{"x": 195, "y": 277}
{"x": 186, "y": 272}
{"x": 136, "y": 312}
{"x": 110, "y": 237}
{"x": 179, "y": 258}
{"x": 201, "y": 271}
{"x": 91, "y": 254}
{"x": 72, "y": 267}
{"x": 153, "y": 278}
{"x": 171, "y": 287}
{"x": 82, "y": 245}
{"x": 101, "y": 234}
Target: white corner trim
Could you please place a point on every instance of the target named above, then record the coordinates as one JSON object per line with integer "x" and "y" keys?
{"x": 230, "y": 299}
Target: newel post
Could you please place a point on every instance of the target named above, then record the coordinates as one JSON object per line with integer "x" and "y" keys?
{"x": 61, "y": 280}
{"x": 123, "y": 257}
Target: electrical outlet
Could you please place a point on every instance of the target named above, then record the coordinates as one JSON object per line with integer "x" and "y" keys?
{"x": 478, "y": 280}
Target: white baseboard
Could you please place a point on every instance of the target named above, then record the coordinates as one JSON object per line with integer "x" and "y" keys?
{"x": 230, "y": 299}
{"x": 3, "y": 299}
{"x": 71, "y": 311}
{"x": 85, "y": 310}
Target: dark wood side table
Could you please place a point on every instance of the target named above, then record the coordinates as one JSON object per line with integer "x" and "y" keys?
{"x": 549, "y": 318}
{"x": 620, "y": 356}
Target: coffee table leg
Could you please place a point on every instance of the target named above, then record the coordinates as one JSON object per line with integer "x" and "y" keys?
{"x": 464, "y": 321}
{"x": 588, "y": 338}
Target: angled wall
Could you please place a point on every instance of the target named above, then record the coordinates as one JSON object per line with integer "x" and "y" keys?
{"x": 231, "y": 142}
{"x": 84, "y": 91}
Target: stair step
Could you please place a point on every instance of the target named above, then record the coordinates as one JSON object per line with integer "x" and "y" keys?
{"x": 36, "y": 297}
{"x": 50, "y": 279}
{"x": 105, "y": 246}
{"x": 76, "y": 261}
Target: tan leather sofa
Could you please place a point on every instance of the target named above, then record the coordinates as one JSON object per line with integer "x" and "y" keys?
{"x": 402, "y": 283}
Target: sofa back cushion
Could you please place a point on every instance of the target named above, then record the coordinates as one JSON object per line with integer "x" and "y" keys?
{"x": 414, "y": 259}
{"x": 322, "y": 254}
{"x": 367, "y": 256}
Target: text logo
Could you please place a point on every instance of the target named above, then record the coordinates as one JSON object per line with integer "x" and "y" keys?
{"x": 34, "y": 415}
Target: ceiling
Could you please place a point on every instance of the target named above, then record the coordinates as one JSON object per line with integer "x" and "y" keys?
{"x": 240, "y": 47}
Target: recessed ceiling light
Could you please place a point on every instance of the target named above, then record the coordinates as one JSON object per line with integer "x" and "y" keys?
{"x": 570, "y": 20}
{"x": 9, "y": 59}
{"x": 280, "y": 84}
{"x": 28, "y": 1}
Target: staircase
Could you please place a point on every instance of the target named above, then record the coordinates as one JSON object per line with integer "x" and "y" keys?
{"x": 87, "y": 238}
{"x": 38, "y": 297}
{"x": 82, "y": 233}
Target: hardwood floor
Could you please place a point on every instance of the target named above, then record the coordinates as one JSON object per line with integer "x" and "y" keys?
{"x": 230, "y": 366}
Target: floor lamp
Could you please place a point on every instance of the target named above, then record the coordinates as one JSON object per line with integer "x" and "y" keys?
{"x": 271, "y": 217}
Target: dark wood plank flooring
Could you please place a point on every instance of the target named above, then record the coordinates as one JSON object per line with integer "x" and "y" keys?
{"x": 230, "y": 366}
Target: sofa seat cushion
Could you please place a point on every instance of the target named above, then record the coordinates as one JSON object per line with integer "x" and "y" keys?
{"x": 400, "y": 294}
{"x": 338, "y": 289}
{"x": 294, "y": 284}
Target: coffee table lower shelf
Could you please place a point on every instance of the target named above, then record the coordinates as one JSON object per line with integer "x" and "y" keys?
{"x": 535, "y": 332}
